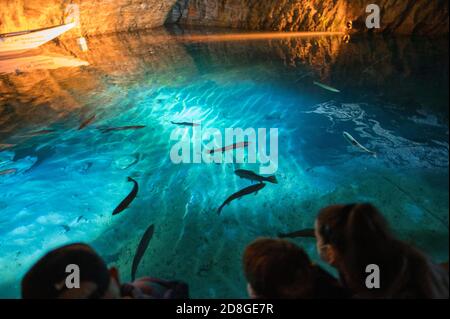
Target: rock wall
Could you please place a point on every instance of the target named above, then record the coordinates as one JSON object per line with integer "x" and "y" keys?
{"x": 397, "y": 16}
{"x": 96, "y": 16}
{"x": 106, "y": 16}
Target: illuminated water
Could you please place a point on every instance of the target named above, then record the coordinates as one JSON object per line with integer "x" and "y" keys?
{"x": 393, "y": 99}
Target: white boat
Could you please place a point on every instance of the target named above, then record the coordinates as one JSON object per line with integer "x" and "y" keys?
{"x": 16, "y": 42}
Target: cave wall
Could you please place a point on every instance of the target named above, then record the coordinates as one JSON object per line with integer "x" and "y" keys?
{"x": 97, "y": 16}
{"x": 397, "y": 16}
{"x": 107, "y": 16}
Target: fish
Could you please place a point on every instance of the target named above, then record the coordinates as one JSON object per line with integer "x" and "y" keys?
{"x": 305, "y": 233}
{"x": 41, "y": 154}
{"x": 86, "y": 122}
{"x": 140, "y": 251}
{"x": 6, "y": 146}
{"x": 127, "y": 201}
{"x": 354, "y": 142}
{"x": 66, "y": 228}
{"x": 242, "y": 173}
{"x": 185, "y": 124}
{"x": 39, "y": 133}
{"x": 85, "y": 168}
{"x": 274, "y": 116}
{"x": 229, "y": 147}
{"x": 326, "y": 87}
{"x": 301, "y": 77}
{"x": 80, "y": 218}
{"x": 122, "y": 128}
{"x": 8, "y": 171}
{"x": 246, "y": 191}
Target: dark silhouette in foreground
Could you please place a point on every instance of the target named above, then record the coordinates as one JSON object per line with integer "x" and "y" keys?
{"x": 351, "y": 237}
{"x": 48, "y": 279}
{"x": 278, "y": 269}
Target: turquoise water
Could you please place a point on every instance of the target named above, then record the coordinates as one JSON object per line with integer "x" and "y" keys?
{"x": 393, "y": 99}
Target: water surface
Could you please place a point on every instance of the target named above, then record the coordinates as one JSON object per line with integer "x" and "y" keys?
{"x": 66, "y": 182}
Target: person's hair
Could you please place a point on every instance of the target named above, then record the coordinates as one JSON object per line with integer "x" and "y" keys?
{"x": 278, "y": 269}
{"x": 46, "y": 279}
{"x": 361, "y": 237}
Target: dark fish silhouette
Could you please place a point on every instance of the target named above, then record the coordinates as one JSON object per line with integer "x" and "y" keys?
{"x": 242, "y": 173}
{"x": 87, "y": 122}
{"x": 185, "y": 123}
{"x": 127, "y": 201}
{"x": 8, "y": 171}
{"x": 122, "y": 128}
{"x": 246, "y": 191}
{"x": 229, "y": 147}
{"x": 41, "y": 154}
{"x": 305, "y": 233}
{"x": 140, "y": 251}
{"x": 66, "y": 228}
{"x": 80, "y": 218}
{"x": 6, "y": 146}
{"x": 38, "y": 133}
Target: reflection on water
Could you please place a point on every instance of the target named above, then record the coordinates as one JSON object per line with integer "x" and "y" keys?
{"x": 60, "y": 184}
{"x": 25, "y": 64}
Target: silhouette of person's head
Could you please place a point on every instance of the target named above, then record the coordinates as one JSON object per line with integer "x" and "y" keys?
{"x": 277, "y": 268}
{"x": 71, "y": 272}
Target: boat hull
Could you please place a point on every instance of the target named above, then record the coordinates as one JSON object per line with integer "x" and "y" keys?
{"x": 24, "y": 41}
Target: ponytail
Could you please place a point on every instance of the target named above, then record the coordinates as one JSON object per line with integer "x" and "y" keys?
{"x": 366, "y": 226}
{"x": 362, "y": 237}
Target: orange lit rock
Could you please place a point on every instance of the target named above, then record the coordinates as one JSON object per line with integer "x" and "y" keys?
{"x": 97, "y": 16}
{"x": 106, "y": 16}
{"x": 428, "y": 17}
